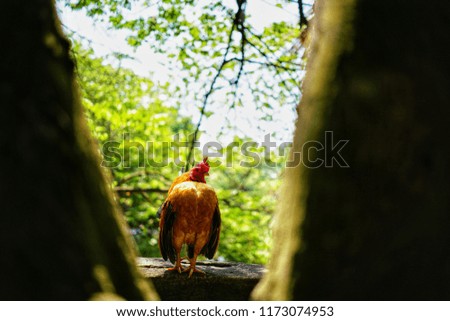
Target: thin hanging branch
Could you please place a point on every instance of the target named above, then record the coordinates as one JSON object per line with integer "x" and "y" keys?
{"x": 238, "y": 23}
{"x": 302, "y": 21}
{"x": 271, "y": 60}
{"x": 205, "y": 101}
{"x": 241, "y": 28}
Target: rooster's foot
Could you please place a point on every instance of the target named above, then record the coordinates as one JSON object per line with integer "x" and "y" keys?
{"x": 192, "y": 270}
{"x": 175, "y": 268}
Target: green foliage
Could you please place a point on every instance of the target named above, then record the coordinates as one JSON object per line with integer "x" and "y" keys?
{"x": 127, "y": 109}
{"x": 203, "y": 40}
{"x": 218, "y": 58}
{"x": 248, "y": 198}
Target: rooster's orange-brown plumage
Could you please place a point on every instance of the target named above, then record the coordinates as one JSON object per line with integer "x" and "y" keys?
{"x": 190, "y": 215}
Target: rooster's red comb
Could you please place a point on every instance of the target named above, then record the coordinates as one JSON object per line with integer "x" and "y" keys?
{"x": 204, "y": 166}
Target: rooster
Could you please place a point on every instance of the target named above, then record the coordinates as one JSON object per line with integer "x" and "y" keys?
{"x": 190, "y": 215}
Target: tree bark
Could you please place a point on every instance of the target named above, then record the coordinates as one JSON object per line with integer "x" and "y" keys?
{"x": 61, "y": 234}
{"x": 378, "y": 76}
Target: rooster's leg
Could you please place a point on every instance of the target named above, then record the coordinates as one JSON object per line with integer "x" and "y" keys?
{"x": 192, "y": 267}
{"x": 177, "y": 266}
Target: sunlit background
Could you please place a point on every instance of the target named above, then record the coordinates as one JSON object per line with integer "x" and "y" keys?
{"x": 150, "y": 71}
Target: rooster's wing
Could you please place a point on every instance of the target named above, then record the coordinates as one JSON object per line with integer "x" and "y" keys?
{"x": 168, "y": 216}
{"x": 210, "y": 247}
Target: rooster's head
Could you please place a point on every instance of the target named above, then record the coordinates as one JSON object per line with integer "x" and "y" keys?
{"x": 199, "y": 171}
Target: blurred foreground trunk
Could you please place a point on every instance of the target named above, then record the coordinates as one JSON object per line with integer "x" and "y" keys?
{"x": 379, "y": 77}
{"x": 61, "y": 235}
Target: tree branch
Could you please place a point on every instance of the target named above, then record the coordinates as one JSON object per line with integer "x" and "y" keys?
{"x": 128, "y": 189}
{"x": 238, "y": 21}
{"x": 141, "y": 173}
{"x": 241, "y": 28}
{"x": 246, "y": 209}
{"x": 303, "y": 21}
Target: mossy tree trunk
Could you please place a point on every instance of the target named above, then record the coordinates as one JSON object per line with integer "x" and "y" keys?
{"x": 378, "y": 76}
{"x": 61, "y": 235}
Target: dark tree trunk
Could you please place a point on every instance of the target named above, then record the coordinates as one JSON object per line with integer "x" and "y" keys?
{"x": 61, "y": 235}
{"x": 379, "y": 76}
